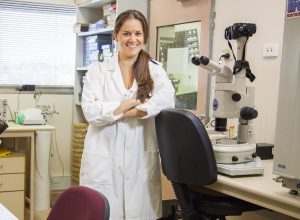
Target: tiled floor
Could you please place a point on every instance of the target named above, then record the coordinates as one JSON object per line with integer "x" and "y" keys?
{"x": 38, "y": 215}
{"x": 42, "y": 215}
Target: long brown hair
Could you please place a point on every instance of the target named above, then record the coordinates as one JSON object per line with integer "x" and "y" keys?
{"x": 140, "y": 69}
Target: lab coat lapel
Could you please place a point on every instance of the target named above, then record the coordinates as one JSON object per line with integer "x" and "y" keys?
{"x": 118, "y": 80}
{"x": 132, "y": 91}
{"x": 117, "y": 76}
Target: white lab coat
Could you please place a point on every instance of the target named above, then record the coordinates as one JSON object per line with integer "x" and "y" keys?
{"x": 120, "y": 157}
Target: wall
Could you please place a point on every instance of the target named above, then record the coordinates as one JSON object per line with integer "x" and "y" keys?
{"x": 268, "y": 15}
{"x": 168, "y": 12}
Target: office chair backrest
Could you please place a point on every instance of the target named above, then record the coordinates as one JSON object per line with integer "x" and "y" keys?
{"x": 185, "y": 148}
{"x": 80, "y": 203}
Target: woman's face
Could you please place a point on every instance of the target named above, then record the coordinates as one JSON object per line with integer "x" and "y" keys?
{"x": 130, "y": 38}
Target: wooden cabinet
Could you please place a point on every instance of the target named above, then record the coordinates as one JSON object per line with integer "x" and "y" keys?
{"x": 12, "y": 183}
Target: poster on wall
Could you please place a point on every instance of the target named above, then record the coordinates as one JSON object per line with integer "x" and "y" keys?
{"x": 293, "y": 9}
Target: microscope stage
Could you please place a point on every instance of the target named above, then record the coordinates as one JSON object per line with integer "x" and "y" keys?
{"x": 254, "y": 167}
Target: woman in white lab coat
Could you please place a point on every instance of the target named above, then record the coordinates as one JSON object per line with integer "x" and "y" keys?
{"x": 121, "y": 97}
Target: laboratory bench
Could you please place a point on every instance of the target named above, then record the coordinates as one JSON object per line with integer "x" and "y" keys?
{"x": 28, "y": 131}
{"x": 262, "y": 190}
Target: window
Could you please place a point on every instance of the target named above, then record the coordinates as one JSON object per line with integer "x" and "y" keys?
{"x": 37, "y": 44}
{"x": 176, "y": 45}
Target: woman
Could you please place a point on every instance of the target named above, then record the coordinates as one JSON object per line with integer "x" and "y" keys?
{"x": 120, "y": 98}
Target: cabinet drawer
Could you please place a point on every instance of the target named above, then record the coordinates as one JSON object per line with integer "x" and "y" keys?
{"x": 14, "y": 202}
{"x": 15, "y": 163}
{"x": 11, "y": 182}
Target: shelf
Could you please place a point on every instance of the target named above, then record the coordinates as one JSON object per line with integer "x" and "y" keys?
{"x": 100, "y": 31}
{"x": 83, "y": 68}
{"x": 95, "y": 3}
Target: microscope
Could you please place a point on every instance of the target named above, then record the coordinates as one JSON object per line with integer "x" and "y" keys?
{"x": 234, "y": 99}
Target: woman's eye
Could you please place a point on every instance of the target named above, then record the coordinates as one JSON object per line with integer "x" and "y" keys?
{"x": 126, "y": 34}
{"x": 138, "y": 34}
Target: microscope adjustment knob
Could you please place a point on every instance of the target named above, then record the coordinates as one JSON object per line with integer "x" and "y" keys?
{"x": 236, "y": 97}
{"x": 248, "y": 113}
{"x": 234, "y": 158}
{"x": 254, "y": 155}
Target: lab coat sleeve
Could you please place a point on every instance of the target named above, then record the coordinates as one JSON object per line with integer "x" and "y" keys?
{"x": 95, "y": 110}
{"x": 162, "y": 95}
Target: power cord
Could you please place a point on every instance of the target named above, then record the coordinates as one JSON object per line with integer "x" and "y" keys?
{"x": 52, "y": 151}
{"x": 11, "y": 115}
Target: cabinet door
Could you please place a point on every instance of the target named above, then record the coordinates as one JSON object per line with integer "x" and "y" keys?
{"x": 12, "y": 164}
{"x": 11, "y": 182}
{"x": 14, "y": 202}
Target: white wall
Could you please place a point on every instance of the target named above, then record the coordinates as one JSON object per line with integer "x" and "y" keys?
{"x": 268, "y": 15}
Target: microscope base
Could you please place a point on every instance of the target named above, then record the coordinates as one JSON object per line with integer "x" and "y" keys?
{"x": 233, "y": 153}
{"x": 254, "y": 167}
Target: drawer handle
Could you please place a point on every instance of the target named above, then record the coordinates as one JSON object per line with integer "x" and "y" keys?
{"x": 1, "y": 184}
{"x": 1, "y": 166}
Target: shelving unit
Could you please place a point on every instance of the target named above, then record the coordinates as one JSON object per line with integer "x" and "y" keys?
{"x": 90, "y": 12}
{"x": 94, "y": 3}
{"x": 101, "y": 31}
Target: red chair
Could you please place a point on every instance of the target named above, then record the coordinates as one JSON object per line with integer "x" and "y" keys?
{"x": 80, "y": 203}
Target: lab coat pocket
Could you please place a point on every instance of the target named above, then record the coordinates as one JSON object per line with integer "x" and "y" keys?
{"x": 98, "y": 168}
{"x": 152, "y": 166}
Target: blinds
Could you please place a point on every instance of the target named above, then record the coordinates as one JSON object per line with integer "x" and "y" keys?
{"x": 37, "y": 44}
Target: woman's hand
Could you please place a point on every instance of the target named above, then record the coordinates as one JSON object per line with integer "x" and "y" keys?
{"x": 126, "y": 105}
{"x": 134, "y": 112}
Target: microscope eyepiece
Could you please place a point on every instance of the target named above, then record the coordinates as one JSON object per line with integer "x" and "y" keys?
{"x": 200, "y": 60}
{"x": 196, "y": 61}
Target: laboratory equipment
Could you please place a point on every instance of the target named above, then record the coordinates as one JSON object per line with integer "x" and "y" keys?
{"x": 3, "y": 109}
{"x": 234, "y": 99}
{"x": 33, "y": 116}
{"x": 287, "y": 138}
{"x": 3, "y": 126}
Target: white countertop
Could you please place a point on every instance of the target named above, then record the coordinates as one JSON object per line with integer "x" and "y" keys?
{"x": 17, "y": 127}
{"x": 261, "y": 190}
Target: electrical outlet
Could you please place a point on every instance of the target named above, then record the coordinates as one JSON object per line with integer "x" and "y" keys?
{"x": 270, "y": 50}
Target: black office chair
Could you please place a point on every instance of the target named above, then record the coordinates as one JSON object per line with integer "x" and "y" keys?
{"x": 188, "y": 162}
